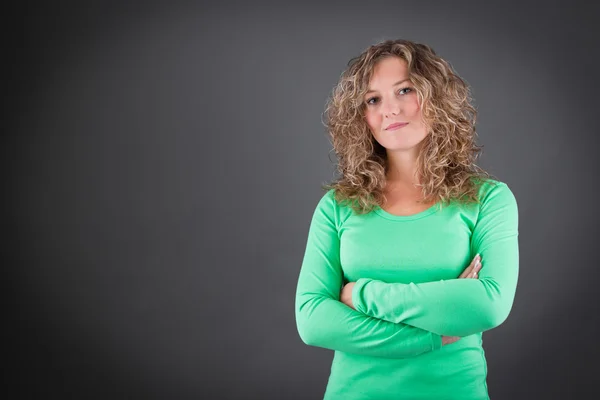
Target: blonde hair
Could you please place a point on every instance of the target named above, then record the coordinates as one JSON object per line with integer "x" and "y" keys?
{"x": 445, "y": 163}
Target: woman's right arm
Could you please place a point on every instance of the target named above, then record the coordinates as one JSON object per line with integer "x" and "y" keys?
{"x": 323, "y": 321}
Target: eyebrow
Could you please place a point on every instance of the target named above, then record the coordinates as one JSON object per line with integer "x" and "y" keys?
{"x": 395, "y": 84}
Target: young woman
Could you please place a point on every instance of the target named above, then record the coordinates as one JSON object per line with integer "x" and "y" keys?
{"x": 413, "y": 252}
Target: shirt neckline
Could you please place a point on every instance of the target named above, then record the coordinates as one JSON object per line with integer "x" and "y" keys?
{"x": 411, "y": 217}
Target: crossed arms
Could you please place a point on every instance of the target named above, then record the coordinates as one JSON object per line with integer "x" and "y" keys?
{"x": 396, "y": 320}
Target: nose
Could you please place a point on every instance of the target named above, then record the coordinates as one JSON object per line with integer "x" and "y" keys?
{"x": 391, "y": 107}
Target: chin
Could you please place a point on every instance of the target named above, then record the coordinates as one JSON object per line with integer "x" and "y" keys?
{"x": 401, "y": 146}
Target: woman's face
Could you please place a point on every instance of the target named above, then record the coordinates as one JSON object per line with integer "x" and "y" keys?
{"x": 392, "y": 99}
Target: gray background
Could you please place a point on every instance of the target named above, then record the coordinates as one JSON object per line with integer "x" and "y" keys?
{"x": 162, "y": 163}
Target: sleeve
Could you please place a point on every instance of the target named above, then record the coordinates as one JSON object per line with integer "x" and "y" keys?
{"x": 458, "y": 307}
{"x": 323, "y": 321}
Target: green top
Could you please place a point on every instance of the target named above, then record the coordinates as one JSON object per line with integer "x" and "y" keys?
{"x": 407, "y": 294}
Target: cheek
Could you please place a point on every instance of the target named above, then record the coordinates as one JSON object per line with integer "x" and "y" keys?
{"x": 372, "y": 119}
{"x": 414, "y": 108}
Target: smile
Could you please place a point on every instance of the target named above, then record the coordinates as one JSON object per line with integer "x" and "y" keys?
{"x": 394, "y": 127}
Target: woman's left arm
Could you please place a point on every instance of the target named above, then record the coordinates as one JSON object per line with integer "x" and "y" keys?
{"x": 458, "y": 307}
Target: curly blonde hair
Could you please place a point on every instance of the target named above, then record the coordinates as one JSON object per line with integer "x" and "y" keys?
{"x": 445, "y": 163}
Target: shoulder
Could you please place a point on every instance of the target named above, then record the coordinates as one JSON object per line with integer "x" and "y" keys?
{"x": 330, "y": 208}
{"x": 494, "y": 194}
{"x": 490, "y": 186}
{"x": 326, "y": 205}
{"x": 327, "y": 200}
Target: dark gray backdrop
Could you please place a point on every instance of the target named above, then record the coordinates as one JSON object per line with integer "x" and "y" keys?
{"x": 162, "y": 163}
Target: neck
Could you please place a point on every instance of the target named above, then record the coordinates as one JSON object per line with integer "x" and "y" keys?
{"x": 402, "y": 168}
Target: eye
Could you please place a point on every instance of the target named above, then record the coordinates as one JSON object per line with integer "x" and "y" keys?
{"x": 372, "y": 98}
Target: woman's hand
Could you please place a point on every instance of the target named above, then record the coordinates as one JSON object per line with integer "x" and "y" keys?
{"x": 449, "y": 339}
{"x": 471, "y": 272}
{"x": 473, "y": 269}
{"x": 346, "y": 294}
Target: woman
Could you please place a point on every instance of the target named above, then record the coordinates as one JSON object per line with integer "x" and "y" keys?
{"x": 424, "y": 240}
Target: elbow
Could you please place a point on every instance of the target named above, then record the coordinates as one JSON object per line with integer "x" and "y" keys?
{"x": 306, "y": 329}
{"x": 303, "y": 328}
{"x": 313, "y": 320}
{"x": 498, "y": 305}
{"x": 310, "y": 334}
{"x": 496, "y": 315}
{"x": 306, "y": 335}
{"x": 494, "y": 320}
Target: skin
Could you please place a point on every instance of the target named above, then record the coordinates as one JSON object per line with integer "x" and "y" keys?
{"x": 388, "y": 102}
{"x": 470, "y": 272}
{"x": 392, "y": 98}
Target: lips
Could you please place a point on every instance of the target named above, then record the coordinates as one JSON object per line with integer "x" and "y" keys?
{"x": 397, "y": 125}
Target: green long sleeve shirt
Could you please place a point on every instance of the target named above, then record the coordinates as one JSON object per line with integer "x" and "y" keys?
{"x": 407, "y": 295}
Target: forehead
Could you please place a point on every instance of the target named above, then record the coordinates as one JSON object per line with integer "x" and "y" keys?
{"x": 387, "y": 71}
